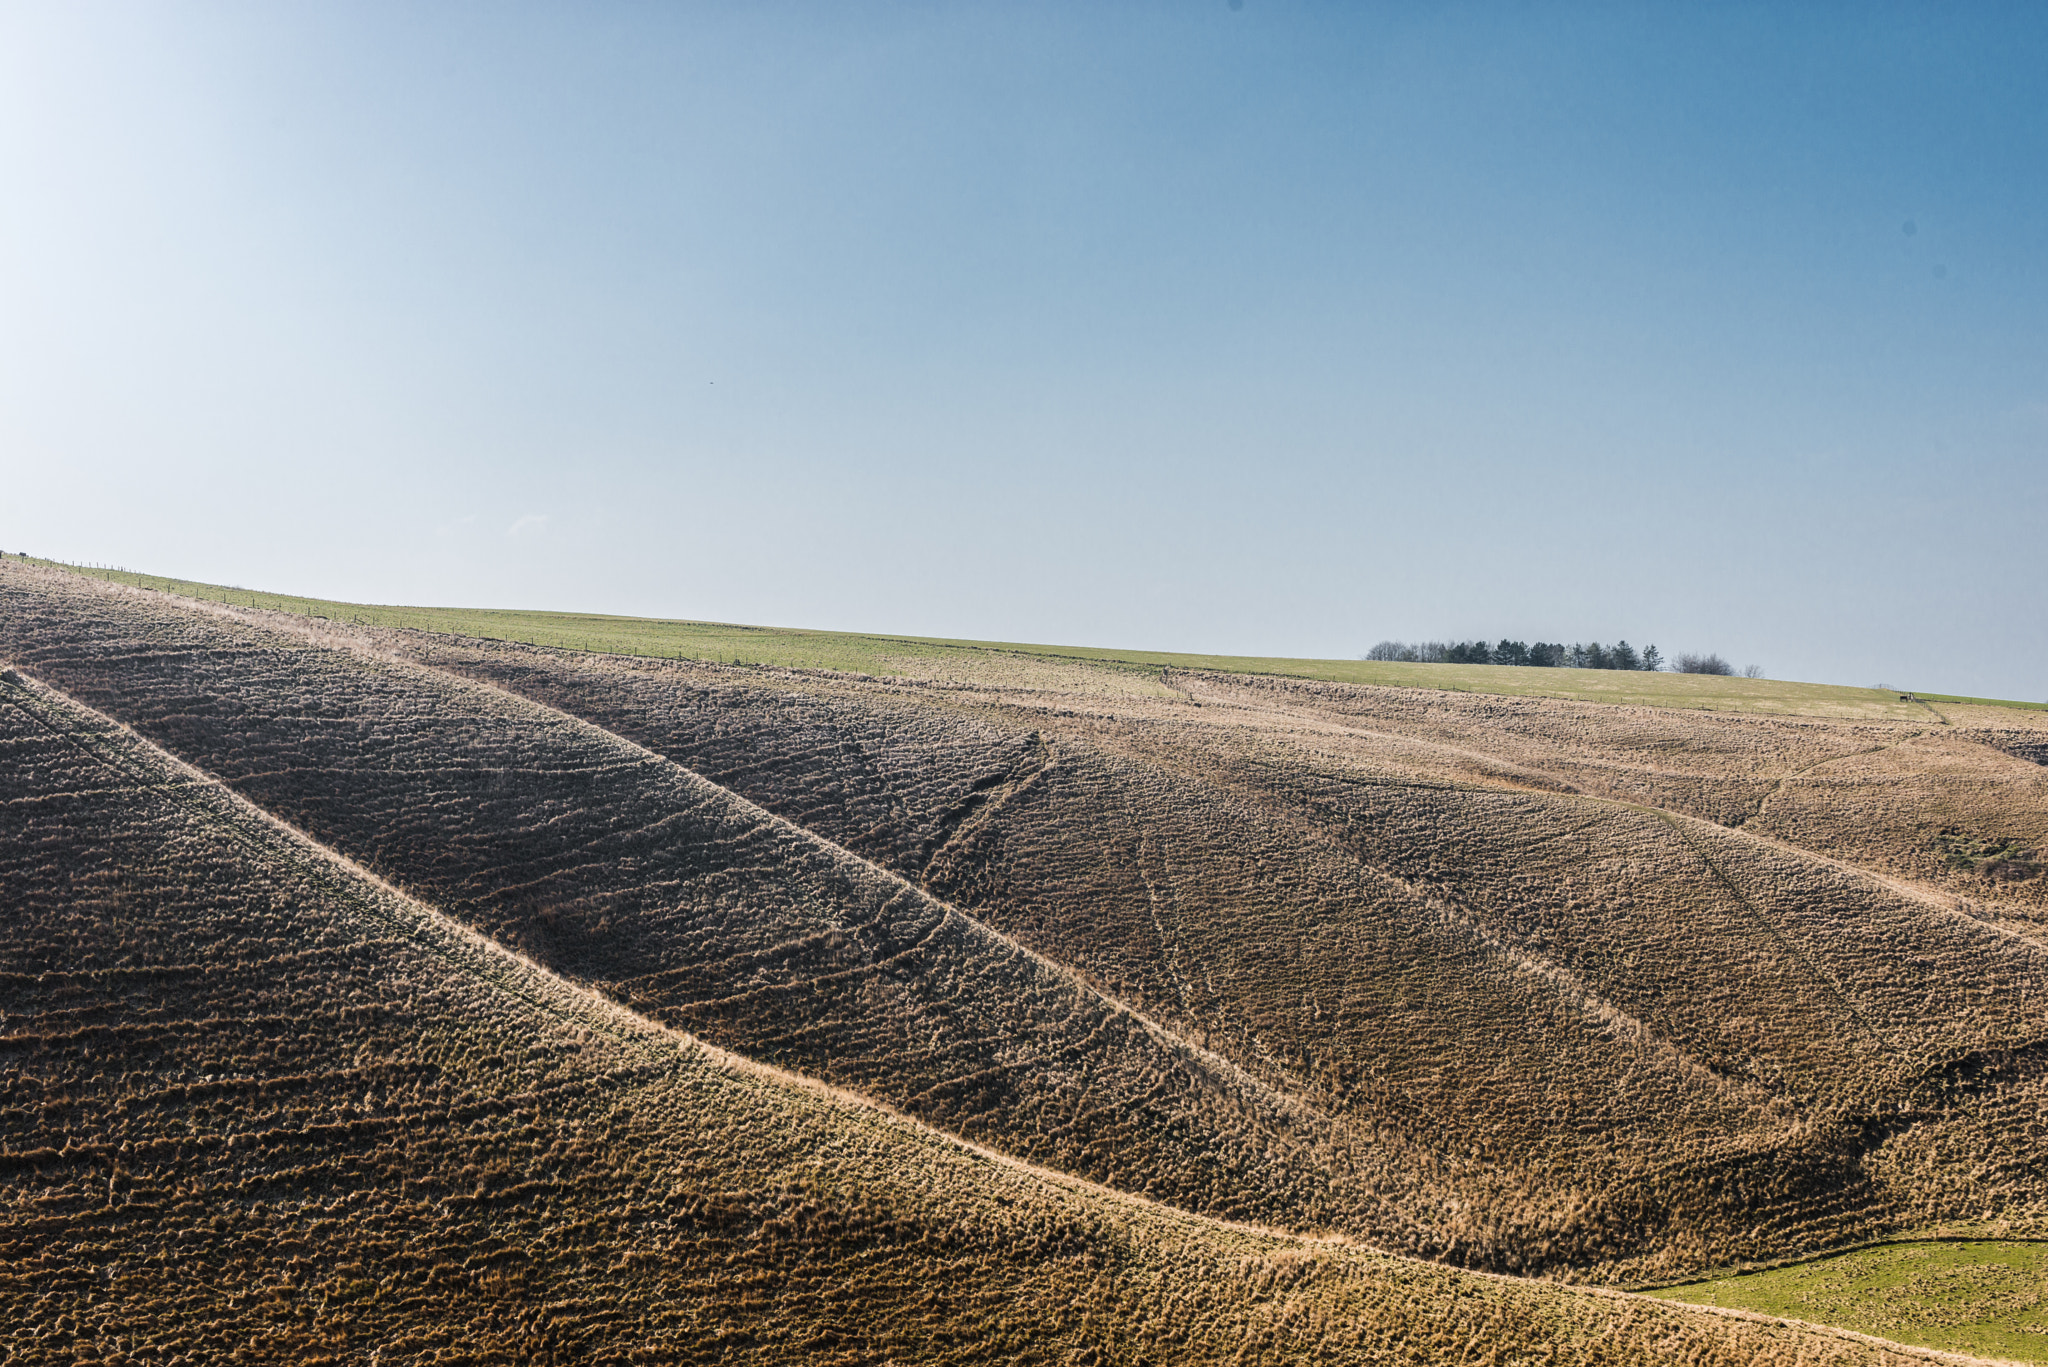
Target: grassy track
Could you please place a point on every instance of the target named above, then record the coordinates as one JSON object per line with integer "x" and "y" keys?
{"x": 986, "y": 661}
{"x": 1968, "y": 1296}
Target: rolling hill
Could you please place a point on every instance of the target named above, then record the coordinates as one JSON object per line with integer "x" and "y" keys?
{"x": 940, "y": 659}
{"x": 783, "y": 1013}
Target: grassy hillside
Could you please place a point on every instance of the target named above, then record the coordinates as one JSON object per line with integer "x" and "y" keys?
{"x": 616, "y": 867}
{"x": 993, "y": 661}
{"x": 259, "y": 1106}
{"x": 1521, "y": 984}
{"x": 1563, "y": 955}
{"x": 1528, "y": 985}
{"x": 1970, "y": 1296}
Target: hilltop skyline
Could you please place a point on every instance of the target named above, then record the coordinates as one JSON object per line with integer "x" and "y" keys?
{"x": 1278, "y": 330}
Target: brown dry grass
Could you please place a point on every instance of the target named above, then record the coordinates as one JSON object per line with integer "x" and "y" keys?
{"x": 1522, "y": 984}
{"x": 260, "y": 1107}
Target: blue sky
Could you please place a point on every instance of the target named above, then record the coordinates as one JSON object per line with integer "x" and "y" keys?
{"x": 1279, "y": 329}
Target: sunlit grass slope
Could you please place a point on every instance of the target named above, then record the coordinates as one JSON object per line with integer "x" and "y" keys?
{"x": 1521, "y": 984}
{"x": 938, "y": 658}
{"x": 1968, "y": 1296}
{"x": 1421, "y": 967}
{"x": 259, "y": 1107}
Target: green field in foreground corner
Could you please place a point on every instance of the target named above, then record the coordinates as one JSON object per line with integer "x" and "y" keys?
{"x": 935, "y": 657}
{"x": 1984, "y": 1297}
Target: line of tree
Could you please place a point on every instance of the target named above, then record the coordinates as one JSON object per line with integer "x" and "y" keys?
{"x": 1543, "y": 654}
{"x": 1552, "y": 655}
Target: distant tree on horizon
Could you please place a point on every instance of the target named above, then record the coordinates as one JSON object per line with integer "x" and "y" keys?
{"x": 1543, "y": 654}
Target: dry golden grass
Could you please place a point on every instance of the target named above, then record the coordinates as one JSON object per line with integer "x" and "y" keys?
{"x": 260, "y": 1107}
{"x": 1599, "y": 951}
{"x": 1600, "y": 992}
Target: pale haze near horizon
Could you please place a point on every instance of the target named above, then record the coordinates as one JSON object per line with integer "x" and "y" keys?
{"x": 1273, "y": 330}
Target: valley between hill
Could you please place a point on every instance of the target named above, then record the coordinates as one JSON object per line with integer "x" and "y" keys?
{"x": 972, "y": 1019}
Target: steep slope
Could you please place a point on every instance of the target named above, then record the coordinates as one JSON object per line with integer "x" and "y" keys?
{"x": 1876, "y": 794}
{"x": 258, "y": 1106}
{"x": 1713, "y": 1043}
{"x": 623, "y": 870}
{"x": 1433, "y": 994}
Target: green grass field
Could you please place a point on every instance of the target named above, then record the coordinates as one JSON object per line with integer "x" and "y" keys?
{"x": 986, "y": 661}
{"x": 1984, "y": 1297}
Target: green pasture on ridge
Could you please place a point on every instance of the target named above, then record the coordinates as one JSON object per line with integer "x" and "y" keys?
{"x": 936, "y": 657}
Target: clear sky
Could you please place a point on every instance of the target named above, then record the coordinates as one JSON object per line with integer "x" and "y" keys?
{"x": 1264, "y": 327}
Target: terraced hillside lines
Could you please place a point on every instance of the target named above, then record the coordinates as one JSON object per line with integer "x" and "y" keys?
{"x": 1589, "y": 1095}
{"x": 1846, "y": 1008}
{"x": 1839, "y": 932}
{"x": 626, "y": 871}
{"x": 1874, "y": 795}
{"x": 1061, "y": 797}
{"x": 1631, "y": 1034}
{"x": 256, "y": 1106}
{"x": 1893, "y": 807}
{"x": 1470, "y": 976}
{"x": 311, "y": 1120}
